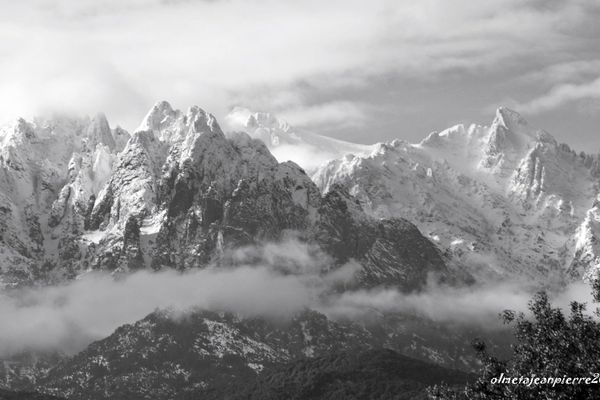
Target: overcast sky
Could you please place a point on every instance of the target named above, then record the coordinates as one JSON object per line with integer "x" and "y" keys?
{"x": 359, "y": 70}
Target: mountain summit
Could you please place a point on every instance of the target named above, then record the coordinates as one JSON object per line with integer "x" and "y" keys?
{"x": 179, "y": 194}
{"x": 288, "y": 143}
{"x": 503, "y": 200}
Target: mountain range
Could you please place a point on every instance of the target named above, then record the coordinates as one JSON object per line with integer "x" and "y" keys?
{"x": 177, "y": 193}
{"x": 464, "y": 206}
{"x": 503, "y": 201}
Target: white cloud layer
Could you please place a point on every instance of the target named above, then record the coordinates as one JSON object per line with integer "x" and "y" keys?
{"x": 340, "y": 113}
{"x": 275, "y": 280}
{"x": 122, "y": 56}
{"x": 563, "y": 94}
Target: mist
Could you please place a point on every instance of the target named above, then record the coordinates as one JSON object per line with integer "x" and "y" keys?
{"x": 276, "y": 280}
{"x": 476, "y": 306}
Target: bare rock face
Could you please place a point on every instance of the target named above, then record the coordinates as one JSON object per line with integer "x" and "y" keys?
{"x": 49, "y": 168}
{"x": 392, "y": 251}
{"x": 178, "y": 194}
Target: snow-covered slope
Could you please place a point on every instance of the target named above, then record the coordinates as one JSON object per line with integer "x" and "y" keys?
{"x": 502, "y": 200}
{"x": 307, "y": 149}
{"x": 48, "y": 168}
{"x": 179, "y": 194}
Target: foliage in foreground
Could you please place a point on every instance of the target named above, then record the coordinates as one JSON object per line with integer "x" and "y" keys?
{"x": 549, "y": 344}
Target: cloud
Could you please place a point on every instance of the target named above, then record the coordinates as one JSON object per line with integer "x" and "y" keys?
{"x": 339, "y": 113}
{"x": 573, "y": 82}
{"x": 561, "y": 95}
{"x": 189, "y": 52}
{"x": 120, "y": 57}
{"x": 276, "y": 280}
{"x": 72, "y": 315}
{"x": 477, "y": 305}
{"x": 302, "y": 146}
{"x": 572, "y": 72}
{"x": 307, "y": 156}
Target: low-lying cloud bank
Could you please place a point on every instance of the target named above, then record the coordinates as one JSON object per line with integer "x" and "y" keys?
{"x": 276, "y": 281}
{"x": 477, "y": 305}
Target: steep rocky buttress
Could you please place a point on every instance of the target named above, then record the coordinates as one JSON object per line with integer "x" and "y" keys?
{"x": 178, "y": 193}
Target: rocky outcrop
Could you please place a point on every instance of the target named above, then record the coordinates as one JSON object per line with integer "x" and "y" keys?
{"x": 501, "y": 201}
{"x": 200, "y": 354}
{"x": 180, "y": 193}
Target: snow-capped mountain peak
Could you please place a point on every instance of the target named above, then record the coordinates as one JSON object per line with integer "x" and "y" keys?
{"x": 98, "y": 132}
{"x": 178, "y": 194}
{"x": 305, "y": 148}
{"x": 266, "y": 120}
{"x": 510, "y": 120}
{"x": 503, "y": 199}
{"x": 159, "y": 116}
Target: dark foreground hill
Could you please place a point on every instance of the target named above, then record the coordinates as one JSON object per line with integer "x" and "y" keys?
{"x": 8, "y": 395}
{"x": 372, "y": 374}
{"x": 208, "y": 355}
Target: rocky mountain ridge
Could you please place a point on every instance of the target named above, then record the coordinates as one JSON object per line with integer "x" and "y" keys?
{"x": 179, "y": 193}
{"x": 286, "y": 142}
{"x": 504, "y": 201}
{"x": 176, "y": 194}
{"x": 170, "y": 354}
